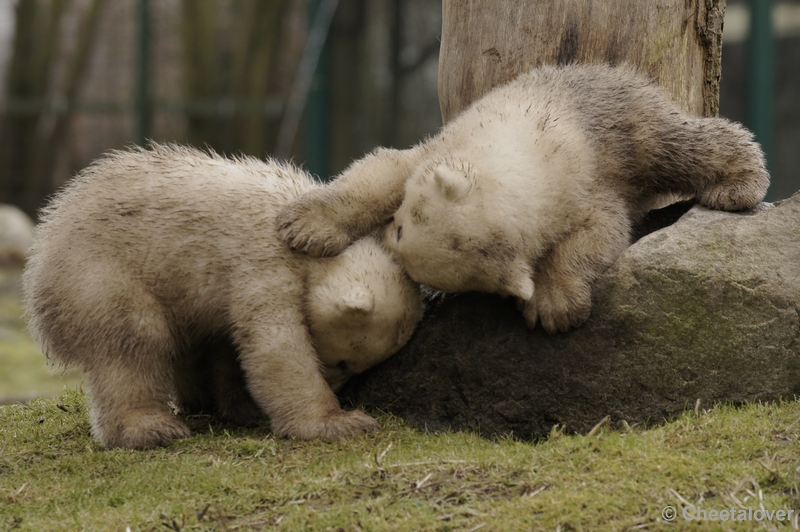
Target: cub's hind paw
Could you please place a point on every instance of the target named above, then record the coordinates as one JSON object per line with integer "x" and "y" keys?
{"x": 738, "y": 196}
{"x": 309, "y": 225}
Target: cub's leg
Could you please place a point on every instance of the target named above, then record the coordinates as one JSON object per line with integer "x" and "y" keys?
{"x": 283, "y": 376}
{"x": 712, "y": 159}
{"x": 563, "y": 280}
{"x": 324, "y": 221}
{"x": 130, "y": 377}
{"x": 738, "y": 162}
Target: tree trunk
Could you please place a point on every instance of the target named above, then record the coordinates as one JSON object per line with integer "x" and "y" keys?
{"x": 677, "y": 42}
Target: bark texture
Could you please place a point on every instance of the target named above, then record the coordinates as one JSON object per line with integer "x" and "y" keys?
{"x": 677, "y": 42}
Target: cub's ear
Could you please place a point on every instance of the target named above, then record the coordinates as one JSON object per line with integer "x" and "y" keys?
{"x": 358, "y": 301}
{"x": 520, "y": 280}
{"x": 454, "y": 184}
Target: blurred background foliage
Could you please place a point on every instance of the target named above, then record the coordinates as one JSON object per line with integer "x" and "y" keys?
{"x": 78, "y": 77}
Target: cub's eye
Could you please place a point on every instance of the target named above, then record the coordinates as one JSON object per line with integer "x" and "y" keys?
{"x": 342, "y": 365}
{"x": 399, "y": 232}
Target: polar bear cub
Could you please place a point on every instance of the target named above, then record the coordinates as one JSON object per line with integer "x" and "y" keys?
{"x": 533, "y": 189}
{"x": 147, "y": 255}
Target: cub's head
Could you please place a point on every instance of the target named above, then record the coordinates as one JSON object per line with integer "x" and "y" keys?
{"x": 454, "y": 232}
{"x": 361, "y": 308}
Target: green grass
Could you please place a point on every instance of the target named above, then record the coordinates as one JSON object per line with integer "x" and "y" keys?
{"x": 53, "y": 476}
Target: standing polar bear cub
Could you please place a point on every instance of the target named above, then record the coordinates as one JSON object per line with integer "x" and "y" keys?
{"x": 148, "y": 257}
{"x": 532, "y": 191}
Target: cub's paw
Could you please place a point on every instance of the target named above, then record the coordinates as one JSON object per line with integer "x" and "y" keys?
{"x": 345, "y": 423}
{"x": 144, "y": 429}
{"x": 743, "y": 184}
{"x": 335, "y": 426}
{"x": 310, "y": 225}
{"x": 529, "y": 311}
{"x": 562, "y": 307}
{"x": 736, "y": 196}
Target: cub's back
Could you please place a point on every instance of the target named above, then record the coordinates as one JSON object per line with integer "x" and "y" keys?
{"x": 174, "y": 218}
{"x": 170, "y": 192}
{"x": 616, "y": 118}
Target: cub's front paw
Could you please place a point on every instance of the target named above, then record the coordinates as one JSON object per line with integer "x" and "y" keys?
{"x": 529, "y": 310}
{"x": 334, "y": 426}
{"x": 310, "y": 225}
{"x": 345, "y": 423}
{"x": 562, "y": 307}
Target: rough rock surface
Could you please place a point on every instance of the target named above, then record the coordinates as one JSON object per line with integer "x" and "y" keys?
{"x": 704, "y": 309}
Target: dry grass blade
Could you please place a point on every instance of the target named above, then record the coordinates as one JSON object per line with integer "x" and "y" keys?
{"x": 426, "y": 463}
{"x": 422, "y": 482}
{"x": 603, "y": 422}
{"x": 13, "y": 497}
{"x": 379, "y": 457}
{"x": 534, "y": 492}
{"x": 678, "y": 496}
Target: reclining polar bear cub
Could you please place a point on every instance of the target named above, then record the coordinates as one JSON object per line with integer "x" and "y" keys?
{"x": 151, "y": 265}
{"x": 533, "y": 189}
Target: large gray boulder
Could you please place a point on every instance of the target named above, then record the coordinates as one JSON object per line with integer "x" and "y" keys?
{"x": 704, "y": 309}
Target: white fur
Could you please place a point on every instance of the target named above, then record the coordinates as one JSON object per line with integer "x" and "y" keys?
{"x": 147, "y": 253}
{"x": 532, "y": 191}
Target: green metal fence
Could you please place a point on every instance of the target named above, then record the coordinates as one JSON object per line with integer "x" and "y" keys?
{"x": 26, "y": 170}
{"x": 312, "y": 100}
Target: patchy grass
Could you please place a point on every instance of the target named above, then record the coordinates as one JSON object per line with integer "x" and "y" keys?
{"x": 53, "y": 476}
{"x": 23, "y": 370}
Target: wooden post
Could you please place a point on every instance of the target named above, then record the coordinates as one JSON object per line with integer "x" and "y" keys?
{"x": 485, "y": 44}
